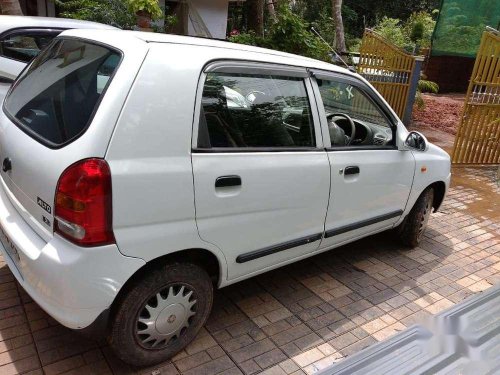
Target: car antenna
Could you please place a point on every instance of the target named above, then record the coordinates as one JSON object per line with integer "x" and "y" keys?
{"x": 331, "y": 48}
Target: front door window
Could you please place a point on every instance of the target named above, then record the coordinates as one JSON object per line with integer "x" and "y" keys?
{"x": 353, "y": 118}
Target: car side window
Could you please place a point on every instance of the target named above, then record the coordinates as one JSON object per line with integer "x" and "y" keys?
{"x": 353, "y": 117}
{"x": 252, "y": 111}
{"x": 24, "y": 46}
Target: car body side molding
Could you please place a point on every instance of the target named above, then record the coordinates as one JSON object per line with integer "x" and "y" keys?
{"x": 364, "y": 223}
{"x": 277, "y": 248}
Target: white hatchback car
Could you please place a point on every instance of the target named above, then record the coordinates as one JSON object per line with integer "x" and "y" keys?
{"x": 22, "y": 38}
{"x": 139, "y": 170}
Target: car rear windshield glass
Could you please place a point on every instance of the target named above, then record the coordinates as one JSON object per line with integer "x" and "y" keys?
{"x": 55, "y": 97}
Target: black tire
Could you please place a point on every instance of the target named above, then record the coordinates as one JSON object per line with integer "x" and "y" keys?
{"x": 413, "y": 226}
{"x": 138, "y": 305}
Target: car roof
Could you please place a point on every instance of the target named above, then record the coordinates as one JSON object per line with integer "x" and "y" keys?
{"x": 14, "y": 22}
{"x": 149, "y": 37}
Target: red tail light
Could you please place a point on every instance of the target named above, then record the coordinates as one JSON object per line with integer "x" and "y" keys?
{"x": 83, "y": 211}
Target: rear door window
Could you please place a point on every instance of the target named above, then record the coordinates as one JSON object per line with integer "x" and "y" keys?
{"x": 255, "y": 111}
{"x": 56, "y": 96}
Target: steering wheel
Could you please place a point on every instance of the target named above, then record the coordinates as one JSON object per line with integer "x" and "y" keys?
{"x": 353, "y": 126}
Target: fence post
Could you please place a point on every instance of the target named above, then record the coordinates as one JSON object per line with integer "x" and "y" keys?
{"x": 412, "y": 90}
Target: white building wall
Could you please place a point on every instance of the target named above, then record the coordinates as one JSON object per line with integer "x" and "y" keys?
{"x": 214, "y": 15}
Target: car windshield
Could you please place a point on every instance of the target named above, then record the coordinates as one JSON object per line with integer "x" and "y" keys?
{"x": 55, "y": 97}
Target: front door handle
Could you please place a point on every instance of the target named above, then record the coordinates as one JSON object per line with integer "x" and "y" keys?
{"x": 227, "y": 181}
{"x": 351, "y": 170}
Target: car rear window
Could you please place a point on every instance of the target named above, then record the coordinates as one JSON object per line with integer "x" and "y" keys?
{"x": 55, "y": 97}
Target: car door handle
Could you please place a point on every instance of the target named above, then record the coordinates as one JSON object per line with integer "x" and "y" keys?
{"x": 227, "y": 181}
{"x": 351, "y": 170}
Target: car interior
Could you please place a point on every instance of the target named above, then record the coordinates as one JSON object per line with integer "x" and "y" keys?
{"x": 353, "y": 118}
{"x": 65, "y": 98}
{"x": 24, "y": 47}
{"x": 254, "y": 111}
{"x": 240, "y": 110}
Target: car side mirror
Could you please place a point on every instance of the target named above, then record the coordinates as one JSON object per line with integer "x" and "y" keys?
{"x": 416, "y": 141}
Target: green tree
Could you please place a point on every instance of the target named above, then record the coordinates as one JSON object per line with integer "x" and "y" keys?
{"x": 416, "y": 31}
{"x": 256, "y": 16}
{"x": 289, "y": 33}
{"x": 111, "y": 12}
{"x": 461, "y": 24}
{"x": 150, "y": 7}
{"x": 339, "y": 26}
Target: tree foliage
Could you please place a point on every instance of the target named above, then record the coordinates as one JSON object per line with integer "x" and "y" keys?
{"x": 150, "y": 7}
{"x": 110, "y": 12}
{"x": 119, "y": 13}
{"x": 412, "y": 34}
{"x": 427, "y": 86}
{"x": 289, "y": 33}
{"x": 461, "y": 24}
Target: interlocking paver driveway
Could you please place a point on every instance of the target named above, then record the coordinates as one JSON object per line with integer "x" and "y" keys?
{"x": 303, "y": 317}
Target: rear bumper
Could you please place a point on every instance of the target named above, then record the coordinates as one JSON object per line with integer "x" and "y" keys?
{"x": 74, "y": 285}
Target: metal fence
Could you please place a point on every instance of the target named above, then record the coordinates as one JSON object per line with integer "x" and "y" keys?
{"x": 388, "y": 68}
{"x": 478, "y": 136}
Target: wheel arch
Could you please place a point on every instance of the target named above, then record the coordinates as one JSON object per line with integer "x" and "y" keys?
{"x": 201, "y": 257}
{"x": 439, "y": 188}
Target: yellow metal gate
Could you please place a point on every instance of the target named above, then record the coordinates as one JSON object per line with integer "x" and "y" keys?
{"x": 478, "y": 136}
{"x": 387, "y": 68}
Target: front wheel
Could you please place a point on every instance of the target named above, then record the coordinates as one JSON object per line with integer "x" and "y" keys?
{"x": 412, "y": 229}
{"x": 161, "y": 313}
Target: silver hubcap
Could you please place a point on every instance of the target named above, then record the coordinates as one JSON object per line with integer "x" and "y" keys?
{"x": 425, "y": 219}
{"x": 165, "y": 317}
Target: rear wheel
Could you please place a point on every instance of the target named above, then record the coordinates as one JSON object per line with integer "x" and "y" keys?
{"x": 161, "y": 313}
{"x": 412, "y": 229}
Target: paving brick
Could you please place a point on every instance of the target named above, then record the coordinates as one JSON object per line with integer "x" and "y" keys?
{"x": 343, "y": 341}
{"x": 289, "y": 366}
{"x": 17, "y": 354}
{"x": 439, "y": 306}
{"x": 308, "y": 341}
{"x": 213, "y": 367}
{"x": 291, "y": 334}
{"x": 237, "y": 343}
{"x": 202, "y": 342}
{"x": 64, "y": 365}
{"x": 290, "y": 349}
{"x": 215, "y": 352}
{"x": 192, "y": 361}
{"x": 401, "y": 312}
{"x": 374, "y": 326}
{"x": 388, "y": 331}
{"x": 231, "y": 371}
{"x": 252, "y": 350}
{"x": 250, "y": 367}
{"x": 357, "y": 346}
{"x": 270, "y": 358}
{"x": 325, "y": 320}
{"x": 308, "y": 357}
{"x": 277, "y": 327}
{"x": 323, "y": 363}
{"x": 275, "y": 370}
{"x": 382, "y": 296}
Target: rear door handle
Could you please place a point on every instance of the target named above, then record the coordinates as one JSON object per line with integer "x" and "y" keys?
{"x": 227, "y": 181}
{"x": 351, "y": 170}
